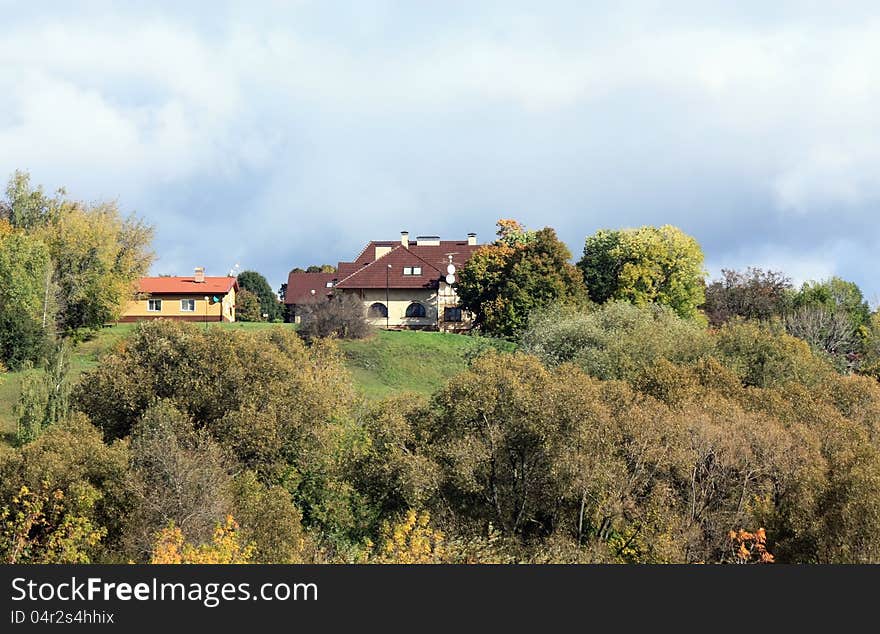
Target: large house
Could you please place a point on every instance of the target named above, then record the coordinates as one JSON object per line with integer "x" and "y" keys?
{"x": 402, "y": 284}
{"x": 196, "y": 298}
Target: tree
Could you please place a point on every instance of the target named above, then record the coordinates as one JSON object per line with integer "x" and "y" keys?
{"x": 178, "y": 474}
{"x": 278, "y": 406}
{"x": 224, "y": 547}
{"x": 315, "y": 268}
{"x": 45, "y": 396}
{"x": 26, "y": 299}
{"x": 836, "y": 295}
{"x": 342, "y": 316}
{"x": 247, "y": 306}
{"x": 257, "y": 284}
{"x": 98, "y": 257}
{"x": 28, "y": 207}
{"x": 827, "y": 331}
{"x": 78, "y": 483}
{"x": 37, "y": 527}
{"x": 522, "y": 270}
{"x": 752, "y": 294}
{"x": 647, "y": 265}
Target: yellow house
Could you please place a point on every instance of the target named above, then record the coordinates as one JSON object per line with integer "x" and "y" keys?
{"x": 196, "y": 298}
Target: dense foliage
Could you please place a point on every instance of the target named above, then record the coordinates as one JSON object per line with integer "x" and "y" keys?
{"x": 648, "y": 265}
{"x": 65, "y": 268}
{"x": 522, "y": 270}
{"x": 268, "y": 301}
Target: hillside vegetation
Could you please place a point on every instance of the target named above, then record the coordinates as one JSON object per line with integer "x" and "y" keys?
{"x": 383, "y": 365}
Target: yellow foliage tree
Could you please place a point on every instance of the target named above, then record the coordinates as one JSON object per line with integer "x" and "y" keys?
{"x": 39, "y": 527}
{"x": 224, "y": 548}
{"x": 411, "y": 540}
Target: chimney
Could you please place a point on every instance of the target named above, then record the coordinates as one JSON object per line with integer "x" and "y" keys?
{"x": 199, "y": 276}
{"x": 472, "y": 239}
{"x": 404, "y": 239}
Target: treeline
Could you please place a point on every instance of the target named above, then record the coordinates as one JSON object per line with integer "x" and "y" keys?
{"x": 506, "y": 281}
{"x": 66, "y": 268}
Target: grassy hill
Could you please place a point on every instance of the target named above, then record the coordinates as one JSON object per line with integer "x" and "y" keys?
{"x": 387, "y": 363}
{"x": 415, "y": 361}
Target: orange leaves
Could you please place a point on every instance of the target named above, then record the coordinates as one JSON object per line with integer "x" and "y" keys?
{"x": 749, "y": 548}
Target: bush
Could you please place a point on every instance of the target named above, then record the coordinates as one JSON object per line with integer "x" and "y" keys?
{"x": 615, "y": 341}
{"x": 342, "y": 317}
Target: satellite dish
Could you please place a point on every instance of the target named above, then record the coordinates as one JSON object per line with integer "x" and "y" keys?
{"x": 450, "y": 269}
{"x": 450, "y": 279}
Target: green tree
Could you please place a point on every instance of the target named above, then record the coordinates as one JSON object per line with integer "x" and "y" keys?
{"x": 257, "y": 284}
{"x": 836, "y": 295}
{"x": 247, "y": 306}
{"x": 45, "y": 396}
{"x": 521, "y": 271}
{"x": 648, "y": 265}
{"x": 26, "y": 299}
{"x": 28, "y": 207}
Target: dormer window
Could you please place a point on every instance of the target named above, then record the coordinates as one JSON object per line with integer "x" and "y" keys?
{"x": 412, "y": 270}
{"x": 329, "y": 285}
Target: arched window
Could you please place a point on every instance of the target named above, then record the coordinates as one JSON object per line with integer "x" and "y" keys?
{"x": 377, "y": 310}
{"x": 415, "y": 310}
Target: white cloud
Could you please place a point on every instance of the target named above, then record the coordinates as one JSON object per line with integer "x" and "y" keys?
{"x": 284, "y": 122}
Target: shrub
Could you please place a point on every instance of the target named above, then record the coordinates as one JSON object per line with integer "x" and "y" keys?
{"x": 342, "y": 317}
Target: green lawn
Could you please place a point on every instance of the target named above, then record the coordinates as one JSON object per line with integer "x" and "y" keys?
{"x": 387, "y": 363}
{"x": 416, "y": 361}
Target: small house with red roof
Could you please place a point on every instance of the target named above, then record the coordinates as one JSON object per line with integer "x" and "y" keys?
{"x": 403, "y": 284}
{"x": 196, "y": 298}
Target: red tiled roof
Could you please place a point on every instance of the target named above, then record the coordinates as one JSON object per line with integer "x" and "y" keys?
{"x": 186, "y": 285}
{"x": 300, "y": 287}
{"x": 438, "y": 255}
{"x": 373, "y": 275}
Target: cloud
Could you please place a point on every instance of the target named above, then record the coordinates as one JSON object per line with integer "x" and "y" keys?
{"x": 294, "y": 132}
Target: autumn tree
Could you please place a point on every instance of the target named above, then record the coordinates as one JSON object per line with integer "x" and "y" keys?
{"x": 98, "y": 257}
{"x": 268, "y": 301}
{"x": 224, "y": 547}
{"x": 277, "y": 406}
{"x": 75, "y": 504}
{"x": 522, "y": 270}
{"x": 750, "y": 294}
{"x": 648, "y": 265}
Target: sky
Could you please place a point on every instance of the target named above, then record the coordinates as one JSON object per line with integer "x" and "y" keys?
{"x": 281, "y": 134}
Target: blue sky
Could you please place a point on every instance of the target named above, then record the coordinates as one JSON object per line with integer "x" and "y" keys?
{"x": 281, "y": 134}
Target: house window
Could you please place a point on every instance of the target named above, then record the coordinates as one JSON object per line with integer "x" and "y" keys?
{"x": 187, "y": 305}
{"x": 415, "y": 310}
{"x": 329, "y": 285}
{"x": 377, "y": 310}
{"x": 154, "y": 305}
{"x": 417, "y": 270}
{"x": 412, "y": 270}
{"x": 452, "y": 314}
